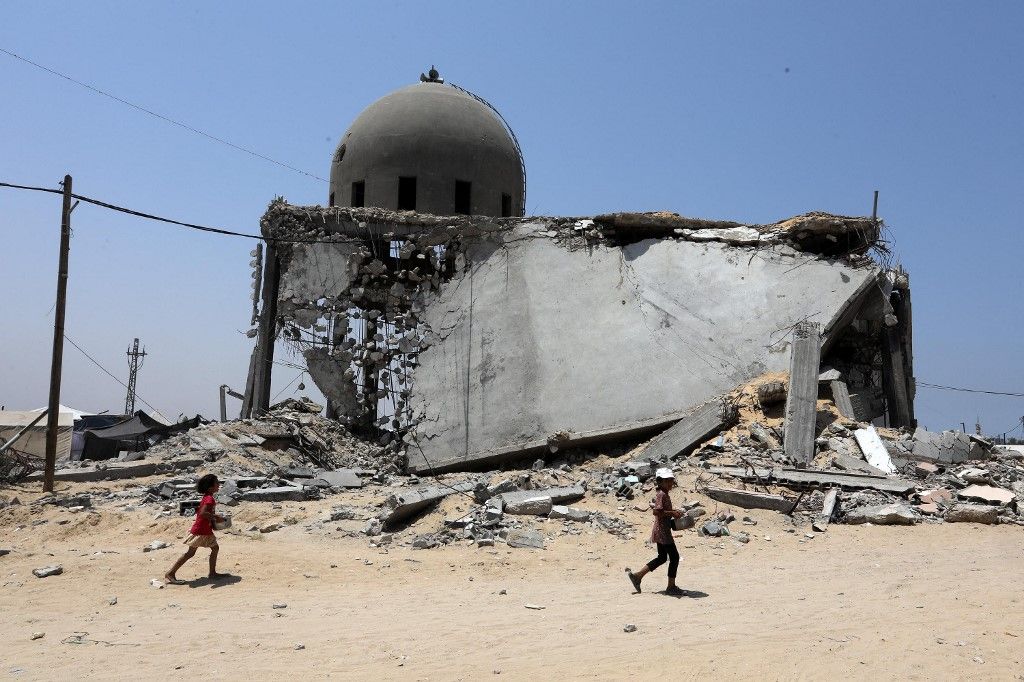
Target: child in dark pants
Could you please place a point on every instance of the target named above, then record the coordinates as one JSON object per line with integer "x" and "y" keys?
{"x": 661, "y": 535}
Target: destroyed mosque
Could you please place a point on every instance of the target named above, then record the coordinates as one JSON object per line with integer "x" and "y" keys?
{"x": 441, "y": 322}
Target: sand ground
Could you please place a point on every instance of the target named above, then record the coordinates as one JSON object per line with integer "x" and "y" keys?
{"x": 930, "y": 602}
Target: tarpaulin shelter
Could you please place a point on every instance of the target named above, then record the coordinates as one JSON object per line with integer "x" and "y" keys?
{"x": 135, "y": 433}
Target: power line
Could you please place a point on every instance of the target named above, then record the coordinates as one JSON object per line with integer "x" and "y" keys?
{"x": 161, "y": 116}
{"x": 150, "y": 216}
{"x": 107, "y": 372}
{"x": 969, "y": 390}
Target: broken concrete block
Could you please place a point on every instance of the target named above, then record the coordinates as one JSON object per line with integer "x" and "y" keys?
{"x": 802, "y": 393}
{"x": 925, "y": 469}
{"x": 155, "y": 545}
{"x": 842, "y": 400}
{"x": 558, "y": 495}
{"x": 286, "y": 493}
{"x": 524, "y": 537}
{"x": 714, "y": 529}
{"x": 538, "y": 505}
{"x": 47, "y": 571}
{"x": 341, "y": 478}
{"x": 895, "y": 514}
{"x": 569, "y": 513}
{"x": 410, "y": 503}
{"x": 771, "y": 392}
{"x": 760, "y": 434}
{"x": 874, "y": 450}
{"x": 373, "y": 527}
{"x": 988, "y": 494}
{"x": 848, "y": 463}
{"x": 929, "y": 508}
{"x": 686, "y": 434}
{"x": 828, "y": 510}
{"x": 936, "y": 495}
{"x": 945, "y": 447}
{"x": 972, "y": 513}
{"x": 424, "y": 542}
{"x": 749, "y": 499}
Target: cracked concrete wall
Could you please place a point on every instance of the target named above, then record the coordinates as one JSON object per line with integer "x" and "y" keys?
{"x": 535, "y": 338}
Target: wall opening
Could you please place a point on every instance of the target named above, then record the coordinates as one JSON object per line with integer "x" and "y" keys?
{"x": 406, "y": 194}
{"x": 358, "y": 194}
{"x": 506, "y": 205}
{"x": 463, "y": 200}
{"x": 330, "y": 200}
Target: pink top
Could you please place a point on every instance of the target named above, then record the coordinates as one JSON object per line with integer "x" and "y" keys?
{"x": 661, "y": 533}
{"x": 202, "y": 526}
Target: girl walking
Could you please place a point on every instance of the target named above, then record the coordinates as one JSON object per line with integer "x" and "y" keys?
{"x": 661, "y": 535}
{"x": 201, "y": 534}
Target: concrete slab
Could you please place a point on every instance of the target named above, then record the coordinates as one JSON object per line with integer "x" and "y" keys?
{"x": 942, "y": 447}
{"x": 874, "y": 450}
{"x": 811, "y": 478}
{"x": 285, "y": 493}
{"x": 987, "y": 493}
{"x": 560, "y": 495}
{"x": 688, "y": 432}
{"x": 655, "y": 328}
{"x": 972, "y": 513}
{"x": 802, "y": 393}
{"x": 896, "y": 514}
{"x": 341, "y": 478}
{"x": 749, "y": 499}
{"x": 536, "y": 505}
{"x": 524, "y": 537}
{"x": 408, "y": 504}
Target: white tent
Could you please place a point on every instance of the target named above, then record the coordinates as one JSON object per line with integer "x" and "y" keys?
{"x": 75, "y": 414}
{"x": 34, "y": 440}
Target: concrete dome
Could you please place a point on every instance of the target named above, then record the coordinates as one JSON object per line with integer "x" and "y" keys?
{"x": 437, "y": 148}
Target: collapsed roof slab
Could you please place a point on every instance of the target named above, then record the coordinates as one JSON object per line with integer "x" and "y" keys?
{"x": 537, "y": 342}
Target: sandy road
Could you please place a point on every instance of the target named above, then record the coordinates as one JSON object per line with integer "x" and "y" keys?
{"x": 932, "y": 602}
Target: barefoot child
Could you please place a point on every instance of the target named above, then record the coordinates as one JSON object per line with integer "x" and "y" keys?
{"x": 201, "y": 534}
{"x": 661, "y": 535}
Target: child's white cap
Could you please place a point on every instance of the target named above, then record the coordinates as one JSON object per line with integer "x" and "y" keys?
{"x": 664, "y": 472}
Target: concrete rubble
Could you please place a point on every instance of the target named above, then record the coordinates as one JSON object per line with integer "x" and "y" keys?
{"x": 470, "y": 403}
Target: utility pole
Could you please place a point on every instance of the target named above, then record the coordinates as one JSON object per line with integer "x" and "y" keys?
{"x": 53, "y": 411}
{"x": 133, "y": 373}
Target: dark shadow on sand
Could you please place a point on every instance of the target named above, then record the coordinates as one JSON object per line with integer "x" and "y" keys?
{"x": 689, "y": 594}
{"x": 227, "y": 579}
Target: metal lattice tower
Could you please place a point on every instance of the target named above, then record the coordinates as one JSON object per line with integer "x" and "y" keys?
{"x": 134, "y": 363}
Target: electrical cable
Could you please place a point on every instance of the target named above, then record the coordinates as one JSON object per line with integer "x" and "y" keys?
{"x": 286, "y": 387}
{"x": 150, "y": 216}
{"x": 970, "y": 390}
{"x": 108, "y": 373}
{"x": 162, "y": 117}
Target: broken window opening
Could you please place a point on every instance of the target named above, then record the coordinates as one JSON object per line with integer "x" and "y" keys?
{"x": 506, "y": 205}
{"x": 406, "y": 193}
{"x": 463, "y": 202}
{"x": 358, "y": 194}
{"x": 330, "y": 200}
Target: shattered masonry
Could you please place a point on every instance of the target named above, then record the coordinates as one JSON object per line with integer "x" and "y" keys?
{"x": 461, "y": 342}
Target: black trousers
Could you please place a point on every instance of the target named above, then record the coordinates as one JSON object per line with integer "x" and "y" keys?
{"x": 666, "y": 552}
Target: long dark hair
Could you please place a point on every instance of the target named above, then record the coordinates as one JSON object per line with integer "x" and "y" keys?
{"x": 206, "y": 483}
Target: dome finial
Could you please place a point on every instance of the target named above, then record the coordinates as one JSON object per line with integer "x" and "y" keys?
{"x": 431, "y": 76}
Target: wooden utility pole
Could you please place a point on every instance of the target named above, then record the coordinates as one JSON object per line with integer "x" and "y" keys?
{"x": 53, "y": 412}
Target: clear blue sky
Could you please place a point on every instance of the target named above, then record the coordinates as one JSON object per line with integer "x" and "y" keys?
{"x": 748, "y": 111}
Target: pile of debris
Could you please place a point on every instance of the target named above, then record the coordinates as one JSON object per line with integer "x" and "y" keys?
{"x": 852, "y": 472}
{"x": 292, "y": 441}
